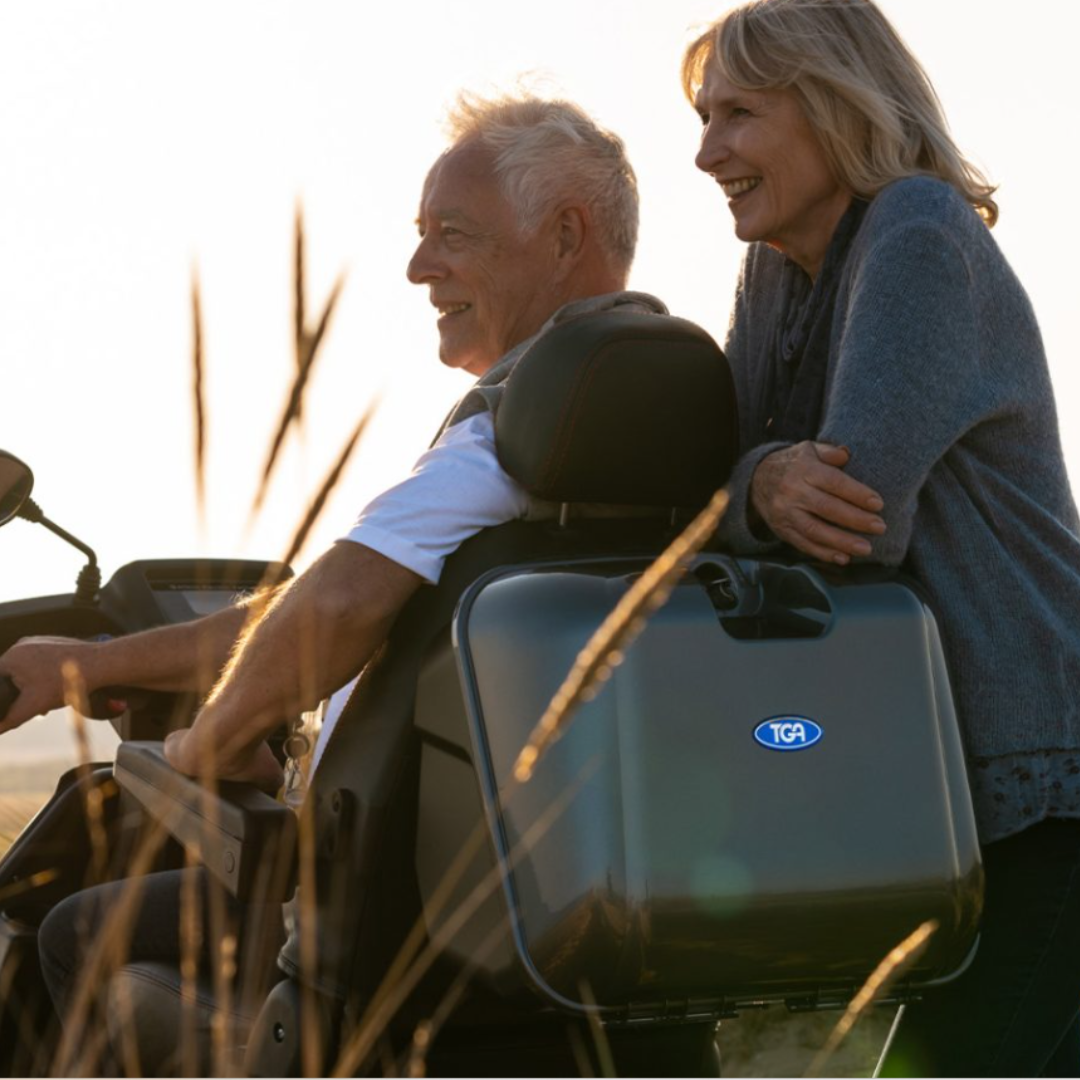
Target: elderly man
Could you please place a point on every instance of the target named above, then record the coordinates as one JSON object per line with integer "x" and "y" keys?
{"x": 530, "y": 216}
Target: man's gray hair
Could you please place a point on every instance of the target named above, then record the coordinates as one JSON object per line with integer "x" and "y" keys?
{"x": 548, "y": 151}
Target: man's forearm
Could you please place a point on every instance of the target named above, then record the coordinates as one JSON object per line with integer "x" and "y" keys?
{"x": 315, "y": 636}
{"x": 185, "y": 656}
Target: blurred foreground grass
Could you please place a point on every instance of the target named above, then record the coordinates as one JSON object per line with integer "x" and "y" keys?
{"x": 15, "y": 812}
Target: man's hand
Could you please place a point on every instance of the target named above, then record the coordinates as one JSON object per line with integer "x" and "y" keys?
{"x": 807, "y": 500}
{"x": 36, "y": 665}
{"x": 258, "y": 767}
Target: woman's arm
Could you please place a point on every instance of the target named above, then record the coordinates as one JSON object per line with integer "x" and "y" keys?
{"x": 908, "y": 382}
{"x": 910, "y": 378}
{"x": 779, "y": 492}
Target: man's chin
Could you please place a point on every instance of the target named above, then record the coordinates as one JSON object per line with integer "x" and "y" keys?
{"x": 471, "y": 361}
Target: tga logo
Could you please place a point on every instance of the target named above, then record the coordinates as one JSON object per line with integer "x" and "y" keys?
{"x": 787, "y": 732}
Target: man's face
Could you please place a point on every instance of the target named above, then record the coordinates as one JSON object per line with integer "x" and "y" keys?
{"x": 492, "y": 286}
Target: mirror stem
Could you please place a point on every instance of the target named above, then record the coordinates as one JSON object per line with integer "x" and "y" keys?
{"x": 89, "y": 581}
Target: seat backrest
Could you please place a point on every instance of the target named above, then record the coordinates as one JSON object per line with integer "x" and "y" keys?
{"x": 620, "y": 407}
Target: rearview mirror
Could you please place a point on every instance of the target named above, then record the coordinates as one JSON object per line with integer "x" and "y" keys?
{"x": 16, "y": 483}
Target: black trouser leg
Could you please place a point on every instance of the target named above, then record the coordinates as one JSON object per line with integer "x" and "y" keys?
{"x": 1015, "y": 1011}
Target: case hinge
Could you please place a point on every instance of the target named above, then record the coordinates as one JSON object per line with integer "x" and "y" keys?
{"x": 673, "y": 1011}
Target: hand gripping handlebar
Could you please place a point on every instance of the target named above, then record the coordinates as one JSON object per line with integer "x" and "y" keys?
{"x": 8, "y": 693}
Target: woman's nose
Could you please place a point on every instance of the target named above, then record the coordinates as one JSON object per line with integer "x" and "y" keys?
{"x": 713, "y": 151}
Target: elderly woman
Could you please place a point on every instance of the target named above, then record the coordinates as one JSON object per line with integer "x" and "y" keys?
{"x": 896, "y": 407}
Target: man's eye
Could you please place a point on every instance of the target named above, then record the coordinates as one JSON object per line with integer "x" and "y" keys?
{"x": 704, "y": 117}
{"x": 738, "y": 112}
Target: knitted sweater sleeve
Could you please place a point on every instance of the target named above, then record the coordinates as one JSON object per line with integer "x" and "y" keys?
{"x": 751, "y": 320}
{"x": 909, "y": 378}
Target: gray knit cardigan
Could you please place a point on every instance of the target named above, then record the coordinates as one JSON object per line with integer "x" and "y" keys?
{"x": 938, "y": 384}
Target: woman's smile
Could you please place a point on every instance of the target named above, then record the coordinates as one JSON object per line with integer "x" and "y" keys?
{"x": 735, "y": 189}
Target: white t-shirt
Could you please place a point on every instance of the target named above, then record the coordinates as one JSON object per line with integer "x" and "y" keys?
{"x": 455, "y": 489}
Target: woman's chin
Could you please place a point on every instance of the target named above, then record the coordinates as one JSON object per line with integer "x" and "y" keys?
{"x": 747, "y": 230}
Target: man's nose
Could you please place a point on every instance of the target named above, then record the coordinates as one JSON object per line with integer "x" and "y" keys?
{"x": 424, "y": 266}
{"x": 714, "y": 150}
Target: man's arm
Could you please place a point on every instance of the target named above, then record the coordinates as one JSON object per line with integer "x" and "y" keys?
{"x": 184, "y": 656}
{"x": 324, "y": 627}
{"x": 315, "y": 635}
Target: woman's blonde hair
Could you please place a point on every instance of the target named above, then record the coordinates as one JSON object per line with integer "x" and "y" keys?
{"x": 869, "y": 100}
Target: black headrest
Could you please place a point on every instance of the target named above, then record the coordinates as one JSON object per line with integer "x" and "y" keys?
{"x": 620, "y": 407}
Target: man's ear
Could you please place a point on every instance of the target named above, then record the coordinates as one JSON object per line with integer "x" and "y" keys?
{"x": 572, "y": 228}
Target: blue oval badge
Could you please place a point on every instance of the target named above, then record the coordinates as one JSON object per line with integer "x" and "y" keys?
{"x": 787, "y": 733}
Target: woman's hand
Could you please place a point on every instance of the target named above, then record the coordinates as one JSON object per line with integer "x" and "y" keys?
{"x": 807, "y": 500}
{"x": 259, "y": 767}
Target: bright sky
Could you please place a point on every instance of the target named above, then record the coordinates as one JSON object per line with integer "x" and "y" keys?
{"x": 139, "y": 138}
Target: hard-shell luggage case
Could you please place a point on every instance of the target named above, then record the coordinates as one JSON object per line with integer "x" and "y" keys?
{"x": 767, "y": 797}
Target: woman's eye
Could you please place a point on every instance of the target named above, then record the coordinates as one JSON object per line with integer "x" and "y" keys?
{"x": 738, "y": 112}
{"x": 704, "y": 117}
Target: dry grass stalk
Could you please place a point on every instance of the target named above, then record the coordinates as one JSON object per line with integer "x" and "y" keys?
{"x": 307, "y": 344}
{"x": 385, "y": 1005}
{"x": 310, "y": 1029}
{"x": 198, "y": 396}
{"x": 25, "y": 885}
{"x": 191, "y": 939}
{"x": 898, "y": 958}
{"x": 596, "y": 1029}
{"x": 223, "y": 972}
{"x": 299, "y": 287}
{"x": 75, "y": 698}
{"x": 121, "y": 999}
{"x": 580, "y": 1053}
{"x": 328, "y": 485}
{"x": 606, "y": 648}
{"x": 421, "y": 1043}
{"x": 222, "y": 1029}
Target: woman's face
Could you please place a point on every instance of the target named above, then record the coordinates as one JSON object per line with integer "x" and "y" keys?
{"x": 760, "y": 148}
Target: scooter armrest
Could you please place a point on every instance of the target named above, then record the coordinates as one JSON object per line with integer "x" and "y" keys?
{"x": 245, "y": 838}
